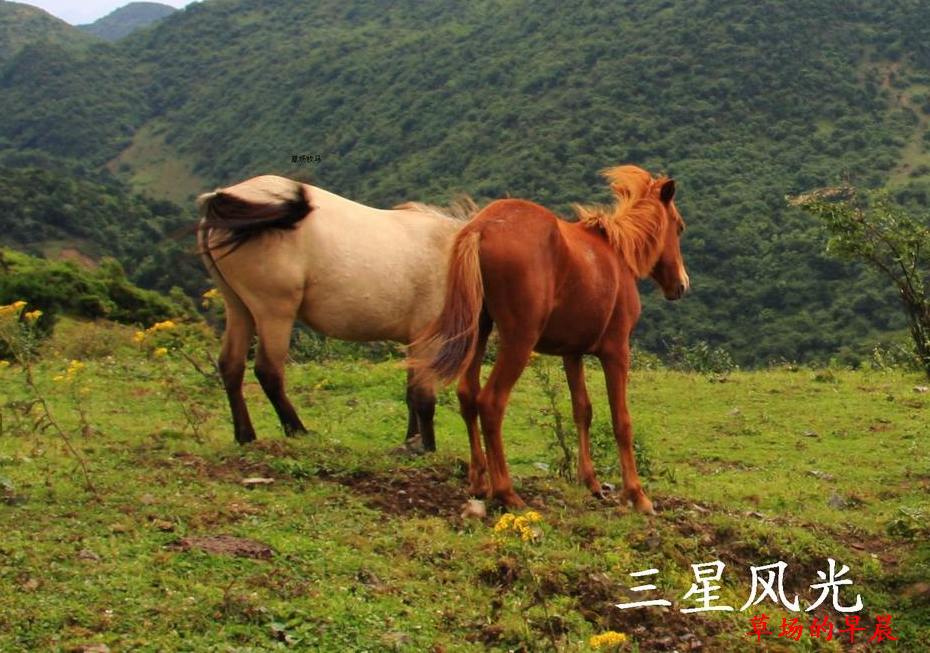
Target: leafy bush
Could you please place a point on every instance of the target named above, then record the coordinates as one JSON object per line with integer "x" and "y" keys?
{"x": 60, "y": 287}
{"x": 702, "y": 358}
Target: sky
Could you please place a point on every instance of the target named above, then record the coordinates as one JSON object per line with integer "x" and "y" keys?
{"x": 78, "y": 12}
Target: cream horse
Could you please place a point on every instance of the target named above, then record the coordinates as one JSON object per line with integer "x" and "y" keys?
{"x": 280, "y": 250}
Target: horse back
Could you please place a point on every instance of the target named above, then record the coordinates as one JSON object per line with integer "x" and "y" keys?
{"x": 560, "y": 281}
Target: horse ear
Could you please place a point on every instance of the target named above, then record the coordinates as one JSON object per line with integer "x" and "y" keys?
{"x": 667, "y": 192}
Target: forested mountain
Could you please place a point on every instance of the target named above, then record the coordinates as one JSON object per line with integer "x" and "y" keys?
{"x": 22, "y": 24}
{"x": 127, "y": 19}
{"x": 742, "y": 102}
{"x": 49, "y": 206}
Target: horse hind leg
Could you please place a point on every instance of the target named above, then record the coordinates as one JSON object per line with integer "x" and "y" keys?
{"x": 274, "y": 338}
{"x": 421, "y": 407}
{"x": 235, "y": 350}
{"x": 512, "y": 358}
{"x": 413, "y": 427}
{"x": 424, "y": 405}
{"x": 582, "y": 415}
{"x": 468, "y": 389}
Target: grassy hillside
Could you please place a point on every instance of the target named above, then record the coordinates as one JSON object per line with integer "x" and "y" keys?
{"x": 127, "y": 19}
{"x": 349, "y": 548}
{"x": 743, "y": 102}
{"x": 22, "y": 25}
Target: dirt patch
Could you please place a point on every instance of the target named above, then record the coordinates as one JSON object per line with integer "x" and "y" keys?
{"x": 544, "y": 492}
{"x": 441, "y": 490}
{"x": 663, "y": 504}
{"x": 501, "y": 574}
{"x": 224, "y": 545}
{"x": 410, "y": 491}
{"x": 655, "y": 629}
{"x": 665, "y": 629}
{"x": 230, "y": 467}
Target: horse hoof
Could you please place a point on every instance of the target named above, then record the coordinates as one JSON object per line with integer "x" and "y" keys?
{"x": 511, "y": 500}
{"x": 245, "y": 438}
{"x": 412, "y": 446}
{"x": 644, "y": 505}
{"x": 479, "y": 492}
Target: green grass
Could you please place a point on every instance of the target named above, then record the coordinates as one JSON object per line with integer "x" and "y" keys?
{"x": 359, "y": 566}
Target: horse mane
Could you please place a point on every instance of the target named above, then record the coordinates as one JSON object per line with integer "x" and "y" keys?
{"x": 462, "y": 208}
{"x": 635, "y": 223}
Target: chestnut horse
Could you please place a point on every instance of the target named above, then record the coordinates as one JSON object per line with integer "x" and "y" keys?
{"x": 344, "y": 269}
{"x": 555, "y": 287}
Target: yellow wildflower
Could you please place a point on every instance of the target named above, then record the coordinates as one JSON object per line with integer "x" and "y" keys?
{"x": 606, "y": 640}
{"x": 59, "y": 378}
{"x": 138, "y": 337}
{"x": 213, "y": 293}
{"x": 74, "y": 367}
{"x": 33, "y": 316}
{"x": 4, "y": 364}
{"x": 10, "y": 309}
{"x": 167, "y": 325}
{"x": 161, "y": 351}
{"x": 503, "y": 523}
{"x": 520, "y": 525}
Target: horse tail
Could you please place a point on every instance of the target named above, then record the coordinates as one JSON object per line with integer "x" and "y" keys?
{"x": 448, "y": 342}
{"x": 241, "y": 219}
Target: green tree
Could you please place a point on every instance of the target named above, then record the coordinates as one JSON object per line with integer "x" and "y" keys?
{"x": 873, "y": 230}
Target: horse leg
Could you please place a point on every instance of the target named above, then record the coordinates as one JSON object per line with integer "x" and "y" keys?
{"x": 582, "y": 414}
{"x": 274, "y": 338}
{"x": 236, "y": 340}
{"x": 413, "y": 428}
{"x": 512, "y": 358}
{"x": 616, "y": 366}
{"x": 421, "y": 407}
{"x": 468, "y": 389}
{"x": 424, "y": 406}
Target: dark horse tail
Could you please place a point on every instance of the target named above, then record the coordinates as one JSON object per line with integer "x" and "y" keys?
{"x": 449, "y": 341}
{"x": 242, "y": 219}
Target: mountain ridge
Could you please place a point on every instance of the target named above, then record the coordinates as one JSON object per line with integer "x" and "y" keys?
{"x": 125, "y": 20}
{"x": 22, "y": 24}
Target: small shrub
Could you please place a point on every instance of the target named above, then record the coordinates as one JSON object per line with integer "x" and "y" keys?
{"x": 703, "y": 358}
{"x": 604, "y": 450}
{"x": 892, "y": 356}
{"x": 88, "y": 340}
{"x": 551, "y": 418}
{"x": 645, "y": 360}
